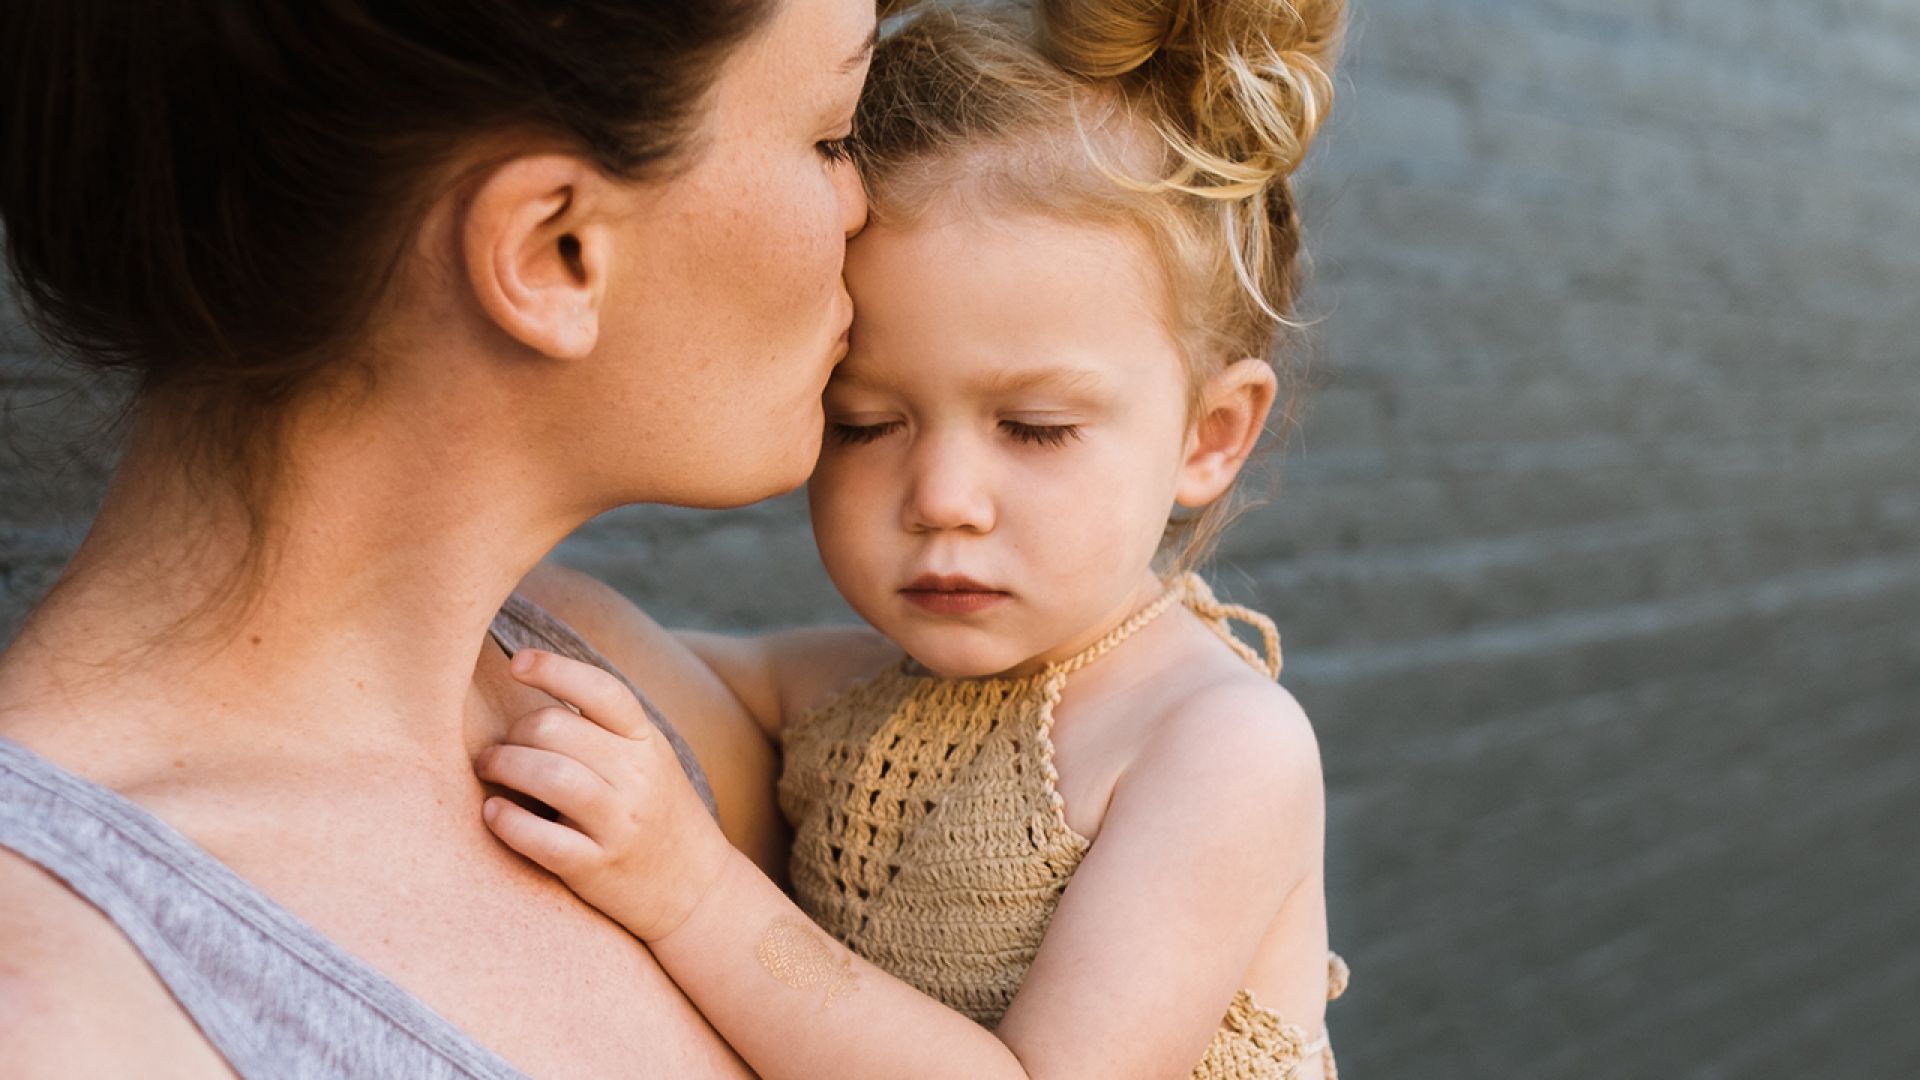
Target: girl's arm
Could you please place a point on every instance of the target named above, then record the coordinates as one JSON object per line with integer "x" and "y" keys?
{"x": 780, "y": 675}
{"x": 1199, "y": 850}
{"x": 1217, "y": 828}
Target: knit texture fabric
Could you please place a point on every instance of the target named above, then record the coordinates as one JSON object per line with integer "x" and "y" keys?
{"x": 930, "y": 835}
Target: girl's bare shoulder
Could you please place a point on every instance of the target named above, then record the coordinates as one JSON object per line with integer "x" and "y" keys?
{"x": 1223, "y": 737}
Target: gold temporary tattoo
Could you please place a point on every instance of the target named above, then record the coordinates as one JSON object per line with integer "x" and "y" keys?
{"x": 800, "y": 956}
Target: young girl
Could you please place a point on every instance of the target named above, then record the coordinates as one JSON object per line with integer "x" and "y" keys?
{"x": 1081, "y": 252}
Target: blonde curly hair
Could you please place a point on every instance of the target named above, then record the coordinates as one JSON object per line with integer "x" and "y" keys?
{"x": 1181, "y": 120}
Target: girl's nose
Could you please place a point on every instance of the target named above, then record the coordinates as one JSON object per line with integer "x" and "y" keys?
{"x": 949, "y": 490}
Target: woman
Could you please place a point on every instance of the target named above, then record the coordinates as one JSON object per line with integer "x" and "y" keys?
{"x": 411, "y": 290}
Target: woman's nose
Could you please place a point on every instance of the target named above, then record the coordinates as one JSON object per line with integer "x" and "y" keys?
{"x": 949, "y": 491}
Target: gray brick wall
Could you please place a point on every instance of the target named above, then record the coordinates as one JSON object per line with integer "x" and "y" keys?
{"x": 1598, "y": 555}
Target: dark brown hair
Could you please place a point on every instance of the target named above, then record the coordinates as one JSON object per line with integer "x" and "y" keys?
{"x": 213, "y": 194}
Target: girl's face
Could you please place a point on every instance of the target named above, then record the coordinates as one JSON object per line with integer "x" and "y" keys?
{"x": 1004, "y": 440}
{"x": 729, "y": 309}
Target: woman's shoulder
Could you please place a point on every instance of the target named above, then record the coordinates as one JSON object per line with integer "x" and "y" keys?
{"x": 76, "y": 999}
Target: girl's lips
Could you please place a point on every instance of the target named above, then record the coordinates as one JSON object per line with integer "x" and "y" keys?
{"x": 952, "y": 602}
{"x": 951, "y": 595}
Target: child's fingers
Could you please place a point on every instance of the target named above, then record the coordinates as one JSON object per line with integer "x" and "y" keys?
{"x": 598, "y": 694}
{"x": 556, "y": 847}
{"x": 571, "y": 734}
{"x": 576, "y": 791}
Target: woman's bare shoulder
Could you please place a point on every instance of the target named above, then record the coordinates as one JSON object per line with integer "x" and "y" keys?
{"x": 76, "y": 999}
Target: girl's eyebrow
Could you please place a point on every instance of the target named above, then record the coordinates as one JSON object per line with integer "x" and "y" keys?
{"x": 1054, "y": 378}
{"x": 996, "y": 384}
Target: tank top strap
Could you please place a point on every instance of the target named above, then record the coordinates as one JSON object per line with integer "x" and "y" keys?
{"x": 273, "y": 997}
{"x": 1191, "y": 590}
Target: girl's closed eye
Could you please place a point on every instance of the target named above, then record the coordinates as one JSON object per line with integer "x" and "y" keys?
{"x": 858, "y": 434}
{"x": 1041, "y": 434}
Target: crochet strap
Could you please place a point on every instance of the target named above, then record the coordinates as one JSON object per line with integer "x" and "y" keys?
{"x": 1191, "y": 590}
{"x": 1219, "y": 615}
{"x": 1124, "y": 631}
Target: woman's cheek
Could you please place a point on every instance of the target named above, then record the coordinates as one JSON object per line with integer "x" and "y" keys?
{"x": 825, "y": 244}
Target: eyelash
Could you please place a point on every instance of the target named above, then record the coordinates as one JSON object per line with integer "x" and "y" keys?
{"x": 859, "y": 434}
{"x": 1050, "y": 435}
{"x": 1041, "y": 434}
{"x": 836, "y": 151}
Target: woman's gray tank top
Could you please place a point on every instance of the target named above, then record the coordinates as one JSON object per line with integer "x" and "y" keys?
{"x": 274, "y": 997}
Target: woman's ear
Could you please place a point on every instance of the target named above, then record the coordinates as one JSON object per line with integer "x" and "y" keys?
{"x": 536, "y": 252}
{"x": 1234, "y": 405}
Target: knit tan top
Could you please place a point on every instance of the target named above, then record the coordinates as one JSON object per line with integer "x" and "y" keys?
{"x": 930, "y": 835}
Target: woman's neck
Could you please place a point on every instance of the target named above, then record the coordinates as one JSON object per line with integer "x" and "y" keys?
{"x": 379, "y": 573}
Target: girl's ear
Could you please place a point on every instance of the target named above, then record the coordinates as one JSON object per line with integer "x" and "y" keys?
{"x": 537, "y": 251}
{"x": 1234, "y": 405}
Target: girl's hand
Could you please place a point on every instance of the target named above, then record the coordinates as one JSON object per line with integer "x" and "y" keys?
{"x": 634, "y": 839}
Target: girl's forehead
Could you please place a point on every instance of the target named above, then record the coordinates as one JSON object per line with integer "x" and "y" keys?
{"x": 1004, "y": 301}
{"x": 1015, "y": 263}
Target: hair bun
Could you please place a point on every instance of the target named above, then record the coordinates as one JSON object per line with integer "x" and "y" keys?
{"x": 1240, "y": 87}
{"x": 1102, "y": 39}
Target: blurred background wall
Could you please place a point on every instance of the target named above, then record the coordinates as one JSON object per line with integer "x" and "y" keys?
{"x": 1598, "y": 555}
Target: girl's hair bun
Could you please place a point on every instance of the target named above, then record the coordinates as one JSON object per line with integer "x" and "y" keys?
{"x": 1238, "y": 87}
{"x": 1101, "y": 39}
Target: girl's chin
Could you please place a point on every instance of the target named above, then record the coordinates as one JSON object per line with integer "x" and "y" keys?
{"x": 974, "y": 665}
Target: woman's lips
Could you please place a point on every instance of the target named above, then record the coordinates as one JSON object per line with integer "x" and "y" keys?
{"x": 951, "y": 594}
